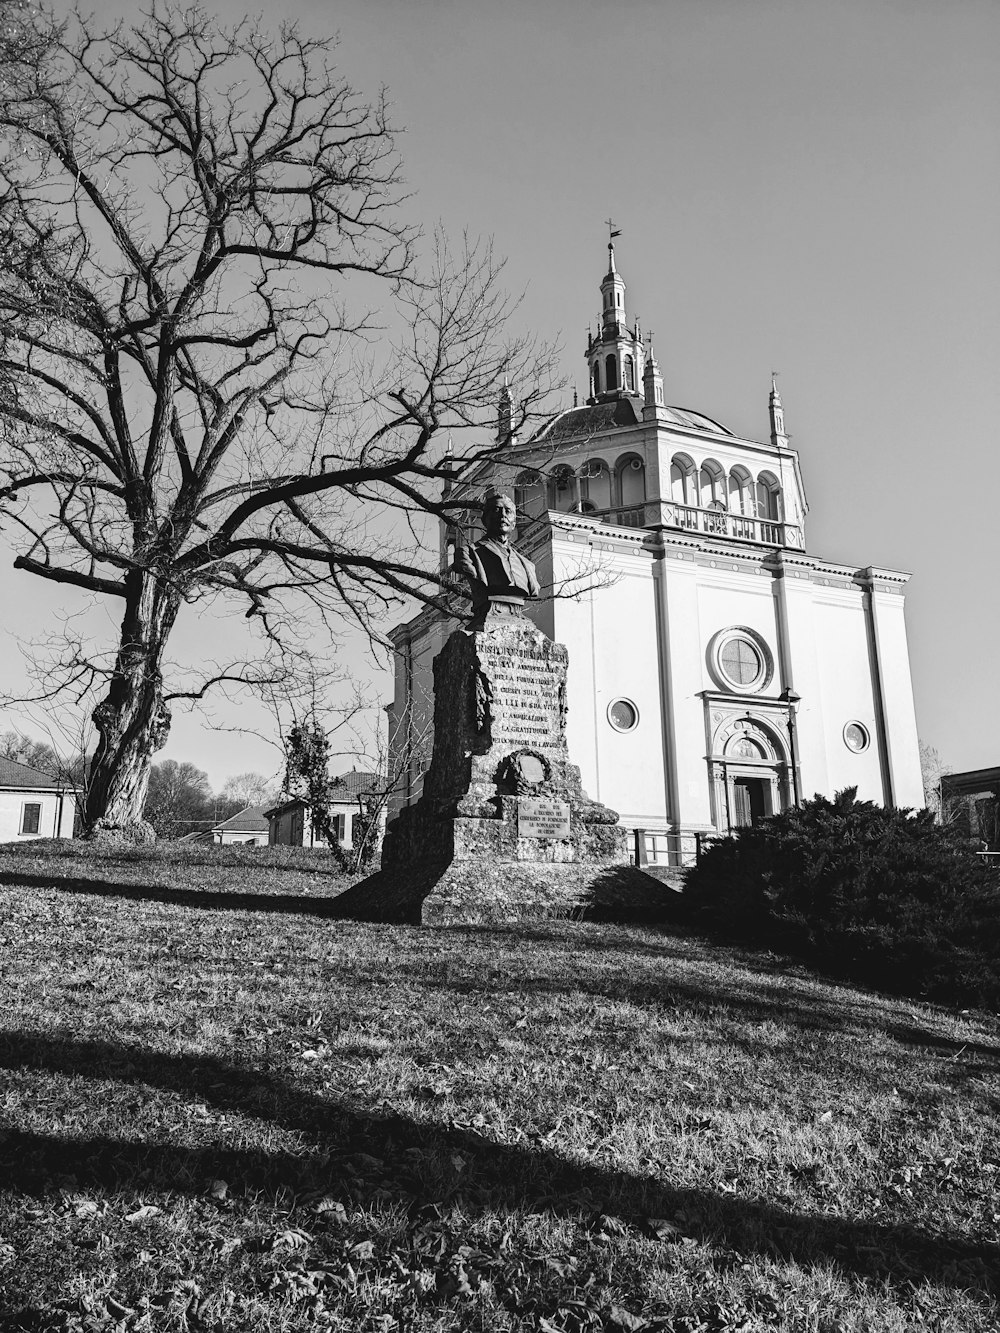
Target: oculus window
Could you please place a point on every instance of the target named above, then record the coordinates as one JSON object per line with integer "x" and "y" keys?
{"x": 740, "y": 660}
{"x": 856, "y": 737}
{"x": 623, "y": 715}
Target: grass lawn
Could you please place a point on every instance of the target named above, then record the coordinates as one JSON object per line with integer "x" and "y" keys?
{"x": 220, "y": 1109}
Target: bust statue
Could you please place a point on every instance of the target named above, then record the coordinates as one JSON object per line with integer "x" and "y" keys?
{"x": 498, "y": 575}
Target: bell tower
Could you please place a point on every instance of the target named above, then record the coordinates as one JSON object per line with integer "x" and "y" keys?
{"x": 615, "y": 357}
{"x": 776, "y": 412}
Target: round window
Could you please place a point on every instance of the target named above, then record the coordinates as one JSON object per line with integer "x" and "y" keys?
{"x": 856, "y": 737}
{"x": 739, "y": 660}
{"x": 623, "y": 715}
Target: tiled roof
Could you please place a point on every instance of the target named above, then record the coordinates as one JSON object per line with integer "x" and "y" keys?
{"x": 250, "y": 820}
{"x": 593, "y": 419}
{"x": 347, "y": 787}
{"x": 613, "y": 414}
{"x": 357, "y": 784}
{"x": 13, "y": 774}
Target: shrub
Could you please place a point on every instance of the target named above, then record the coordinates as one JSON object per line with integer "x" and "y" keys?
{"x": 885, "y": 895}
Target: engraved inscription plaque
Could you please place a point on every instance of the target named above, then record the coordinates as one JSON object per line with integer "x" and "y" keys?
{"x": 539, "y": 818}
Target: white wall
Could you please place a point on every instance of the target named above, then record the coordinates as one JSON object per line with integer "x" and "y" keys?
{"x": 56, "y": 817}
{"x": 683, "y": 678}
{"x": 847, "y": 694}
{"x": 897, "y": 697}
{"x": 610, "y": 632}
{"x": 229, "y": 836}
{"x": 796, "y": 617}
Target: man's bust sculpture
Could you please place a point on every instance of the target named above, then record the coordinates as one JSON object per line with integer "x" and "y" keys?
{"x": 498, "y": 575}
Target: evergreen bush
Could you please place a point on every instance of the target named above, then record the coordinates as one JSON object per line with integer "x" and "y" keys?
{"x": 885, "y": 895}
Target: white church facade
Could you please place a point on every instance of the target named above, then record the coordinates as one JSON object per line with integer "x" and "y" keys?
{"x": 718, "y": 672}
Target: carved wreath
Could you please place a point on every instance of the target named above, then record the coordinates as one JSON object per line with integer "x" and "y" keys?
{"x": 525, "y": 771}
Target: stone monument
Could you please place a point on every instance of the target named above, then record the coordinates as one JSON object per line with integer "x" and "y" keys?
{"x": 503, "y": 829}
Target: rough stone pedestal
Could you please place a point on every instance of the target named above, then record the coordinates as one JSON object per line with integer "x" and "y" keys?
{"x": 503, "y": 829}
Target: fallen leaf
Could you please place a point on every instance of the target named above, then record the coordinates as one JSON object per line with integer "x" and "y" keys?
{"x": 147, "y": 1210}
{"x": 331, "y": 1210}
{"x": 620, "y": 1320}
{"x": 660, "y": 1229}
{"x": 292, "y": 1239}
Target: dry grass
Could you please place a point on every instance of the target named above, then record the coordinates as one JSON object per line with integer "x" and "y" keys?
{"x": 221, "y": 1110}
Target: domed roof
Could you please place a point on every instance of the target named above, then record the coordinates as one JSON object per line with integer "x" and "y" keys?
{"x": 698, "y": 420}
{"x": 591, "y": 419}
{"x": 616, "y": 413}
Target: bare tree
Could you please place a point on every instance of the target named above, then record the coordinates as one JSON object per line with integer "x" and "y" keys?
{"x": 35, "y": 754}
{"x": 245, "y": 789}
{"x": 178, "y": 799}
{"x": 191, "y": 405}
{"x": 931, "y": 769}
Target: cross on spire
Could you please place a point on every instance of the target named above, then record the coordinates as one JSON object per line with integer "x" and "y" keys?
{"x": 613, "y": 232}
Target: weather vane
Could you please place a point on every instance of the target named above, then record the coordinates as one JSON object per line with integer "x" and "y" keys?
{"x": 611, "y": 229}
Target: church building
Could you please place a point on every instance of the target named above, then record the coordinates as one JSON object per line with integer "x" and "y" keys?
{"x": 718, "y": 672}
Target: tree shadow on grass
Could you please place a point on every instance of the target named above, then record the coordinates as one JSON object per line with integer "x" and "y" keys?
{"x": 351, "y": 1153}
{"x": 772, "y": 1000}
{"x": 795, "y": 1001}
{"x": 309, "y": 904}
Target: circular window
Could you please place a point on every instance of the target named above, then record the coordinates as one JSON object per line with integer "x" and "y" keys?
{"x": 623, "y": 715}
{"x": 739, "y": 660}
{"x": 856, "y": 737}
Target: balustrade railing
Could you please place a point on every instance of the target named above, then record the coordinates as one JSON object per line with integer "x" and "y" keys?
{"x": 744, "y": 527}
{"x": 712, "y": 522}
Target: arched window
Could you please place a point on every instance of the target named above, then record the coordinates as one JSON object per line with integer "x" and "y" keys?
{"x": 596, "y": 371}
{"x": 595, "y": 486}
{"x": 562, "y": 491}
{"x": 630, "y": 374}
{"x": 682, "y": 487}
{"x": 529, "y": 495}
{"x": 711, "y": 483}
{"x": 740, "y": 488}
{"x": 768, "y": 498}
{"x": 631, "y": 476}
{"x": 611, "y": 373}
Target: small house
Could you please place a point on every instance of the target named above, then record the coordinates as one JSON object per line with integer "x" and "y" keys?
{"x": 249, "y": 826}
{"x": 290, "y": 825}
{"x": 33, "y": 804}
{"x": 972, "y": 800}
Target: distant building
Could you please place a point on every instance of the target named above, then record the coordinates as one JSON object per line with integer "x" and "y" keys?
{"x": 33, "y": 804}
{"x": 289, "y": 824}
{"x": 718, "y": 672}
{"x": 973, "y": 801}
{"x": 249, "y": 826}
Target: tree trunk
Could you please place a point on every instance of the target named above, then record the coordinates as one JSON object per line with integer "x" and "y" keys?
{"x": 132, "y": 720}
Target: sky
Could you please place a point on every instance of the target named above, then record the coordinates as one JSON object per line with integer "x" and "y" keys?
{"x": 807, "y": 186}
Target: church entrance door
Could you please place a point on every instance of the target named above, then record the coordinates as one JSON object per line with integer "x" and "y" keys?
{"x": 748, "y": 801}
